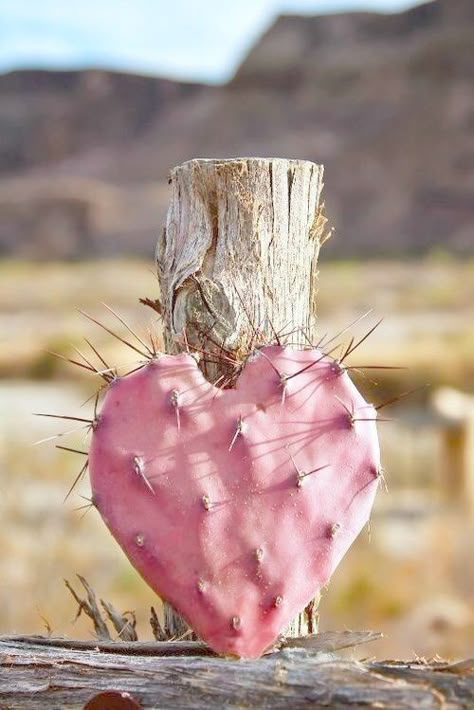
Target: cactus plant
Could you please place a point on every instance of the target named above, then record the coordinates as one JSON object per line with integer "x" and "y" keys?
{"x": 236, "y": 505}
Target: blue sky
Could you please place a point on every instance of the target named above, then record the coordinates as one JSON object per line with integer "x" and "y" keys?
{"x": 201, "y": 40}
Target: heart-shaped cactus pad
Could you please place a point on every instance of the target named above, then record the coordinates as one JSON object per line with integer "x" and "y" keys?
{"x": 236, "y": 505}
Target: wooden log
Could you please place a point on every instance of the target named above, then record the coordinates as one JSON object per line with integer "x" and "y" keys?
{"x": 50, "y": 673}
{"x": 455, "y": 410}
{"x": 237, "y": 264}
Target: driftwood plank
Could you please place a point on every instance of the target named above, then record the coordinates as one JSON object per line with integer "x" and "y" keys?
{"x": 50, "y": 673}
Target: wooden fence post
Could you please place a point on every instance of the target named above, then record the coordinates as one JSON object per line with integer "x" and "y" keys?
{"x": 237, "y": 262}
{"x": 456, "y": 430}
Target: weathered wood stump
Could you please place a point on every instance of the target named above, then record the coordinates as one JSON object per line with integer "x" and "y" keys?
{"x": 237, "y": 265}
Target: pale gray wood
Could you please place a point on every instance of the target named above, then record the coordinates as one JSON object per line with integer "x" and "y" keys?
{"x": 41, "y": 674}
{"x": 239, "y": 251}
{"x": 236, "y": 262}
{"x": 327, "y": 642}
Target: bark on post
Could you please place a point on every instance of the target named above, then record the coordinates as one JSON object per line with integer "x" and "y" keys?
{"x": 237, "y": 262}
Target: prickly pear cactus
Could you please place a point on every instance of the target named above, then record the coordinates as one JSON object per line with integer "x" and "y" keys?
{"x": 236, "y": 505}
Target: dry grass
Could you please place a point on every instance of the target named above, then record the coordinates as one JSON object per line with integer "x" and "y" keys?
{"x": 428, "y": 311}
{"x": 39, "y": 311}
{"x": 427, "y": 306}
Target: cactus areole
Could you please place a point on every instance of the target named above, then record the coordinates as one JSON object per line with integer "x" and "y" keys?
{"x": 236, "y": 505}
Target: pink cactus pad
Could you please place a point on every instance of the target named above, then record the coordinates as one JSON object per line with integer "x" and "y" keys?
{"x": 236, "y": 505}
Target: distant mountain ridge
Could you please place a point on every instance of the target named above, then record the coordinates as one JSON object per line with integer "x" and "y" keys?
{"x": 46, "y": 116}
{"x": 386, "y": 102}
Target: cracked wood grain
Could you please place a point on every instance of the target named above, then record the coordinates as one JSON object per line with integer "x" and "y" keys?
{"x": 39, "y": 673}
{"x": 239, "y": 252}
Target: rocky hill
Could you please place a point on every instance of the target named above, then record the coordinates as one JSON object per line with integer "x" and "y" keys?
{"x": 386, "y": 102}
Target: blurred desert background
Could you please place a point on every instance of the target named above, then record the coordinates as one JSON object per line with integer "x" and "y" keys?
{"x": 385, "y": 100}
